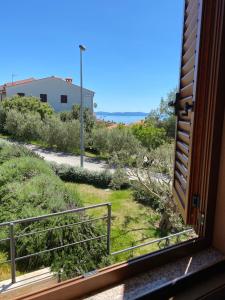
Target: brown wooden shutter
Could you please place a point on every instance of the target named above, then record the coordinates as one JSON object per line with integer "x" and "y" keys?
{"x": 185, "y": 110}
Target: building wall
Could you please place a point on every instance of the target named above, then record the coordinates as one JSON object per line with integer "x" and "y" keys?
{"x": 219, "y": 226}
{"x": 54, "y": 88}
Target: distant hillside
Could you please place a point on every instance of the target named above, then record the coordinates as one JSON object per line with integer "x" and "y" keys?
{"x": 105, "y": 113}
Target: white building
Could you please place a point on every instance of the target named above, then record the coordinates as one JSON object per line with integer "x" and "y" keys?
{"x": 59, "y": 93}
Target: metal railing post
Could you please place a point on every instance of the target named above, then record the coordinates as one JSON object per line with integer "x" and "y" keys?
{"x": 12, "y": 252}
{"x": 109, "y": 206}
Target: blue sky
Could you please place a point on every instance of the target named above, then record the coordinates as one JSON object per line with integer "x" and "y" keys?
{"x": 133, "y": 46}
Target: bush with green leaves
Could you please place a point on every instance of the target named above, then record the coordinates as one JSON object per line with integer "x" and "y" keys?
{"x": 2, "y": 119}
{"x": 163, "y": 116}
{"x": 9, "y": 151}
{"x": 28, "y": 188}
{"x": 116, "y": 142}
{"x": 122, "y": 139}
{"x": 74, "y": 114}
{"x": 23, "y": 126}
{"x": 149, "y": 135}
{"x": 100, "y": 140}
{"x": 62, "y": 135}
{"x": 80, "y": 175}
{"x": 119, "y": 180}
{"x": 22, "y": 169}
{"x": 27, "y": 104}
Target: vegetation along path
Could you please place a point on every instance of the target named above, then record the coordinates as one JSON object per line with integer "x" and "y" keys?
{"x": 73, "y": 160}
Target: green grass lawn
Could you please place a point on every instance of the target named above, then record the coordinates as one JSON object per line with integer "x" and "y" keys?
{"x": 5, "y": 269}
{"x": 132, "y": 223}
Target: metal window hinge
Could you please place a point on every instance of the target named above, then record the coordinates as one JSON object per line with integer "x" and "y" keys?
{"x": 196, "y": 201}
{"x": 201, "y": 219}
{"x": 174, "y": 103}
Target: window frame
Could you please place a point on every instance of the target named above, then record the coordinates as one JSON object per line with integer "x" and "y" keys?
{"x": 212, "y": 48}
{"x": 21, "y": 94}
{"x": 62, "y": 97}
{"x": 45, "y": 96}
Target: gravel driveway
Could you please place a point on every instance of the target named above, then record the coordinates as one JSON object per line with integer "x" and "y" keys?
{"x": 91, "y": 164}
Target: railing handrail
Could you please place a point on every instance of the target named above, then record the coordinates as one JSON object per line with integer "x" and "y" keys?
{"x": 41, "y": 217}
{"x": 168, "y": 237}
{"x": 12, "y": 237}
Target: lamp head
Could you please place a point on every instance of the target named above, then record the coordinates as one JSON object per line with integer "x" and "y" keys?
{"x": 82, "y": 47}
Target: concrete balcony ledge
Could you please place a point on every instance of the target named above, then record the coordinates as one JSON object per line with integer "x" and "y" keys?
{"x": 27, "y": 283}
{"x": 138, "y": 286}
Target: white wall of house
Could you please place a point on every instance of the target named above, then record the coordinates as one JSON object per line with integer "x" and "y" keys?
{"x": 54, "y": 88}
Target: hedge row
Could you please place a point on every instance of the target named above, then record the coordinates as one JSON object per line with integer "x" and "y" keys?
{"x": 79, "y": 175}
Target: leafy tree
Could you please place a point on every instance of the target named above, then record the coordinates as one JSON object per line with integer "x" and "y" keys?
{"x": 149, "y": 135}
{"x": 63, "y": 135}
{"x": 26, "y": 105}
{"x": 74, "y": 114}
{"x": 121, "y": 139}
{"x": 152, "y": 178}
{"x": 163, "y": 117}
{"x": 100, "y": 139}
{"x": 23, "y": 126}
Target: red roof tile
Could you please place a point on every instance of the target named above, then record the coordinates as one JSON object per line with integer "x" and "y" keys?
{"x": 8, "y": 84}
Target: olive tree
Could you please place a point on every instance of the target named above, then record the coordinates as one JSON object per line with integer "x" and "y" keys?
{"x": 152, "y": 185}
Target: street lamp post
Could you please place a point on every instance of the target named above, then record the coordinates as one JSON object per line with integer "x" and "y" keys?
{"x": 82, "y": 48}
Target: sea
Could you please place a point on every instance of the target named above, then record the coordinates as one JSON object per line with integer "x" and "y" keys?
{"x": 120, "y": 119}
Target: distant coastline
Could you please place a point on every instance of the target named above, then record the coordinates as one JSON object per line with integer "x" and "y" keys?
{"x": 105, "y": 113}
{"x": 121, "y": 117}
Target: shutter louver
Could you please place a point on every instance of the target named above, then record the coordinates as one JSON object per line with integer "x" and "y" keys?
{"x": 184, "y": 106}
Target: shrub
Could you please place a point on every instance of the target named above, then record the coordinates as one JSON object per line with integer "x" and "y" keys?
{"x": 119, "y": 180}
{"x": 27, "y": 105}
{"x": 74, "y": 114}
{"x": 73, "y": 135}
{"x": 79, "y": 175}
{"x": 65, "y": 116}
{"x": 23, "y": 126}
{"x": 44, "y": 194}
{"x": 23, "y": 168}
{"x": 122, "y": 139}
{"x": 89, "y": 119}
{"x": 150, "y": 136}
{"x": 100, "y": 139}
{"x": 53, "y": 132}
{"x": 63, "y": 135}
{"x": 2, "y": 119}
{"x": 9, "y": 151}
{"x": 29, "y": 187}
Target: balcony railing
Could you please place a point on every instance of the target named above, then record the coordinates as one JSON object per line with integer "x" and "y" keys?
{"x": 12, "y": 236}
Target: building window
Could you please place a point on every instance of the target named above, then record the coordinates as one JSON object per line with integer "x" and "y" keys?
{"x": 43, "y": 97}
{"x": 20, "y": 94}
{"x": 63, "y": 98}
